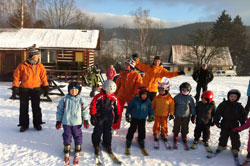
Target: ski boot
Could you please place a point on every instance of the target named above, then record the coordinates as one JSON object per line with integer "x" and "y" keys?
{"x": 107, "y": 147}
{"x": 235, "y": 152}
{"x": 156, "y": 137}
{"x": 220, "y": 148}
{"x": 77, "y": 155}
{"x": 164, "y": 137}
{"x": 66, "y": 155}
{"x": 193, "y": 146}
{"x": 127, "y": 149}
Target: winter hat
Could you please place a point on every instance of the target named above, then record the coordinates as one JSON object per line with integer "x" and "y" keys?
{"x": 131, "y": 62}
{"x": 157, "y": 58}
{"x": 74, "y": 85}
{"x": 32, "y": 52}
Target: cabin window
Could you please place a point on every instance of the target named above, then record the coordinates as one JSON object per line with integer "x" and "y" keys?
{"x": 48, "y": 56}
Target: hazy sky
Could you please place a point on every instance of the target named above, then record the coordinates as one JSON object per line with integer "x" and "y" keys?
{"x": 112, "y": 13}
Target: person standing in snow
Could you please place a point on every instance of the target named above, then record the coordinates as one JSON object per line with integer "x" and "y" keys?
{"x": 72, "y": 113}
{"x": 202, "y": 77}
{"x": 103, "y": 111}
{"x": 184, "y": 108}
{"x": 111, "y": 73}
{"x": 153, "y": 74}
{"x": 205, "y": 117}
{"x": 138, "y": 110}
{"x": 247, "y": 107}
{"x": 29, "y": 79}
{"x": 127, "y": 83}
{"x": 163, "y": 106}
{"x": 228, "y": 115}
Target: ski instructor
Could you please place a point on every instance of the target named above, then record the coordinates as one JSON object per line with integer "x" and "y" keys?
{"x": 32, "y": 76}
{"x": 153, "y": 74}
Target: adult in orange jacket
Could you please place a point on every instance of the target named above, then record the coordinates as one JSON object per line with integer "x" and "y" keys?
{"x": 153, "y": 74}
{"x": 127, "y": 83}
{"x": 32, "y": 76}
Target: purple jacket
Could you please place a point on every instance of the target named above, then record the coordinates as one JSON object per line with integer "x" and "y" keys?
{"x": 243, "y": 127}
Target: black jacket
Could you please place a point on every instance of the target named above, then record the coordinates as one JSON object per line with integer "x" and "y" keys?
{"x": 203, "y": 77}
{"x": 205, "y": 112}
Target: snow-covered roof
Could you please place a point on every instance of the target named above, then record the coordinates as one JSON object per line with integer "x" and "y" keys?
{"x": 179, "y": 52}
{"x": 48, "y": 38}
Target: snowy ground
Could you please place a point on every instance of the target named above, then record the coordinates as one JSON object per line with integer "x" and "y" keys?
{"x": 45, "y": 148}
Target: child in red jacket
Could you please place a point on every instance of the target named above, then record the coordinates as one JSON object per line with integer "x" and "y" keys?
{"x": 238, "y": 129}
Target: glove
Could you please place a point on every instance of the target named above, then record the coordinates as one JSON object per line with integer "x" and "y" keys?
{"x": 15, "y": 91}
{"x": 193, "y": 119}
{"x": 128, "y": 118}
{"x": 151, "y": 118}
{"x": 135, "y": 56}
{"x": 181, "y": 73}
{"x": 116, "y": 119}
{"x": 58, "y": 125}
{"x": 93, "y": 120}
{"x": 171, "y": 117}
{"x": 46, "y": 90}
{"x": 218, "y": 125}
{"x": 86, "y": 124}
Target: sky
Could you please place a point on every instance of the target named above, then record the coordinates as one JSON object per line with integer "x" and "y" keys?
{"x": 170, "y": 13}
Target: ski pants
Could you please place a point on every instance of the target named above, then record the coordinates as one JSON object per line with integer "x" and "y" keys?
{"x": 227, "y": 132}
{"x": 134, "y": 124}
{"x": 120, "y": 108}
{"x": 181, "y": 124}
{"x": 198, "y": 91}
{"x": 160, "y": 125}
{"x": 102, "y": 127}
{"x": 34, "y": 95}
{"x": 70, "y": 131}
{"x": 204, "y": 129}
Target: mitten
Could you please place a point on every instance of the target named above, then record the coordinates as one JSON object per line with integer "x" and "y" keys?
{"x": 193, "y": 119}
{"x": 181, "y": 73}
{"x": 93, "y": 120}
{"x": 171, "y": 117}
{"x": 128, "y": 118}
{"x": 15, "y": 91}
{"x": 86, "y": 124}
{"x": 151, "y": 118}
{"x": 58, "y": 125}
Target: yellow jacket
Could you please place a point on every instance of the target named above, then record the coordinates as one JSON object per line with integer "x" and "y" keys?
{"x": 153, "y": 74}
{"x": 31, "y": 76}
{"x": 127, "y": 84}
{"x": 163, "y": 105}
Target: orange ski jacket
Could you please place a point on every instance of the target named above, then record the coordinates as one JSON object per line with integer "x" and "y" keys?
{"x": 127, "y": 84}
{"x": 163, "y": 105}
{"x": 31, "y": 76}
{"x": 153, "y": 74}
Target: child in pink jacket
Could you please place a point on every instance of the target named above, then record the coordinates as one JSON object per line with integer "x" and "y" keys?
{"x": 111, "y": 73}
{"x": 238, "y": 129}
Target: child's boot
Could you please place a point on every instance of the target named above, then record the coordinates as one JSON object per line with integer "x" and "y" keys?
{"x": 77, "y": 154}
{"x": 66, "y": 155}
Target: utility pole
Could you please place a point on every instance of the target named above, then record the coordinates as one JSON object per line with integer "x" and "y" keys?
{"x": 22, "y": 13}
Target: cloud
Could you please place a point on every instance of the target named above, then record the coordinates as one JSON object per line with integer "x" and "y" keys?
{"x": 111, "y": 20}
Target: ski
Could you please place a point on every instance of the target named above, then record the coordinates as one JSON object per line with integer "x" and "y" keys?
{"x": 66, "y": 161}
{"x": 185, "y": 146}
{"x": 114, "y": 158}
{"x": 167, "y": 145}
{"x": 98, "y": 161}
{"x": 156, "y": 144}
{"x": 236, "y": 161}
{"x": 127, "y": 151}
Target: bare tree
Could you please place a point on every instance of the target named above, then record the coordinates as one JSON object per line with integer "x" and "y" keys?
{"x": 143, "y": 23}
{"x": 57, "y": 13}
{"x": 202, "y": 49}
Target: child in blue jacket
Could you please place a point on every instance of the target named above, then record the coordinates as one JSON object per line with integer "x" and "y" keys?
{"x": 72, "y": 112}
{"x": 138, "y": 109}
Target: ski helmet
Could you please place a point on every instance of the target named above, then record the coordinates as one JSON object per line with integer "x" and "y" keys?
{"x": 164, "y": 84}
{"x": 74, "y": 85}
{"x": 142, "y": 90}
{"x": 109, "y": 86}
{"x": 131, "y": 62}
{"x": 185, "y": 85}
{"x": 208, "y": 95}
{"x": 234, "y": 91}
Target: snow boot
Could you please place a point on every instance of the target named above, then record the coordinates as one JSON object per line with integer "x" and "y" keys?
{"x": 38, "y": 127}
{"x": 24, "y": 128}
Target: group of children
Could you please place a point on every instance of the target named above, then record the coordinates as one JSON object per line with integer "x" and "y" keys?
{"x": 72, "y": 113}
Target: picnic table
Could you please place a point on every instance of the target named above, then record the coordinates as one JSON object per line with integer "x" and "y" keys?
{"x": 52, "y": 86}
